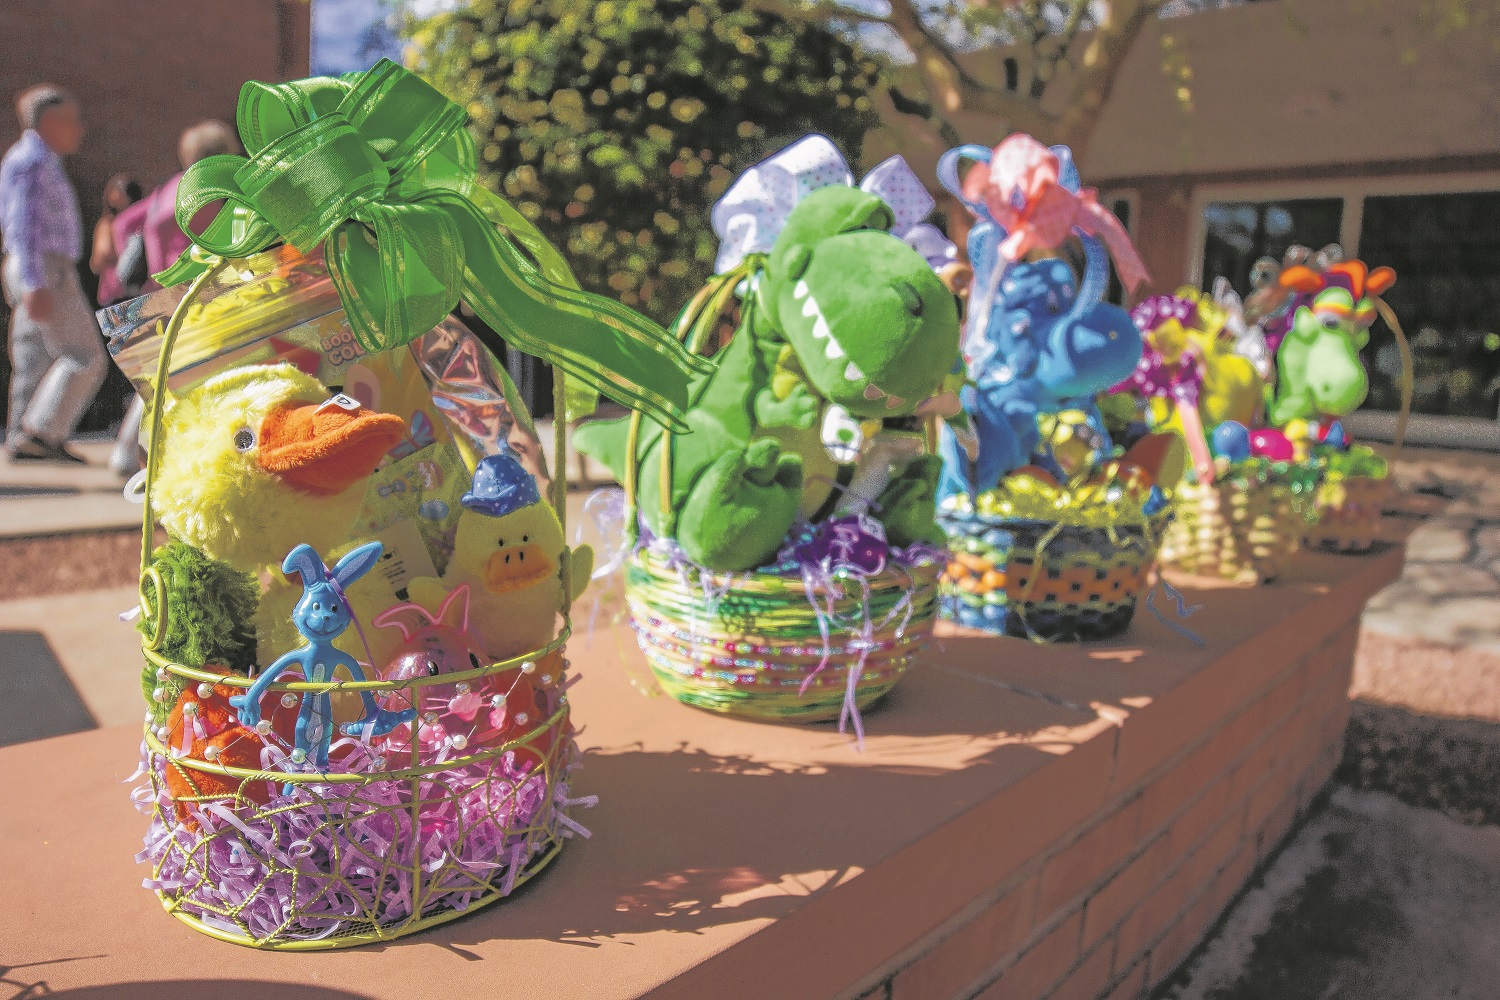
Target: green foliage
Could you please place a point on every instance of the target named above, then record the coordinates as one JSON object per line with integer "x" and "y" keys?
{"x": 615, "y": 125}
{"x": 210, "y": 617}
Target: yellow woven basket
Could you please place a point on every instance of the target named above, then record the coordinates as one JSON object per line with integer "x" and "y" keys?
{"x": 251, "y": 846}
{"x": 1349, "y": 512}
{"x": 1239, "y": 528}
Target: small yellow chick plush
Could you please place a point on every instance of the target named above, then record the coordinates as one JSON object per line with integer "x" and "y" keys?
{"x": 509, "y": 550}
{"x": 260, "y": 458}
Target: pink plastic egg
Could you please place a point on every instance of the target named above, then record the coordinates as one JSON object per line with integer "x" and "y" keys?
{"x": 1268, "y": 442}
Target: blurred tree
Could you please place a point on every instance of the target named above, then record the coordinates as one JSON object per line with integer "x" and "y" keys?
{"x": 1036, "y": 39}
{"x": 1054, "y": 61}
{"x": 615, "y": 125}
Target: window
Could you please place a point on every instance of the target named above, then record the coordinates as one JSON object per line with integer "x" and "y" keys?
{"x": 1241, "y": 232}
{"x": 1123, "y": 205}
{"x": 1446, "y": 252}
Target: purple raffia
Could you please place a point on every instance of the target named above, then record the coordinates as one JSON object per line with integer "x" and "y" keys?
{"x": 827, "y": 556}
{"x": 831, "y": 554}
{"x": 314, "y": 861}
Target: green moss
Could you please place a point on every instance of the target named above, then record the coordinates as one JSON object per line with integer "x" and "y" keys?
{"x": 210, "y": 616}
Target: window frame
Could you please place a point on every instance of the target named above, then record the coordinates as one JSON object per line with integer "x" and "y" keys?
{"x": 1353, "y": 191}
{"x": 1428, "y": 429}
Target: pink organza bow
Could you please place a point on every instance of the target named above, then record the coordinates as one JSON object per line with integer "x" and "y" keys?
{"x": 1020, "y": 188}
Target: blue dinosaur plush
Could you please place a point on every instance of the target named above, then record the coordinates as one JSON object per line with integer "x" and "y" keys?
{"x": 1036, "y": 342}
{"x": 1037, "y": 345}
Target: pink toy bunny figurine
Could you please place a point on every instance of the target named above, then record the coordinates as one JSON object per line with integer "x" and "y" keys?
{"x": 431, "y": 645}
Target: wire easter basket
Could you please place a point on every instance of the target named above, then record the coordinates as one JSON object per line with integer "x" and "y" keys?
{"x": 324, "y": 398}
{"x": 250, "y": 845}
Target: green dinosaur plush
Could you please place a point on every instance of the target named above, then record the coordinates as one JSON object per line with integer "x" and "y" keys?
{"x": 841, "y": 314}
{"x": 1318, "y": 365}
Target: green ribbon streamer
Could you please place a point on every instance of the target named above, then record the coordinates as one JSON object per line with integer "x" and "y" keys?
{"x": 379, "y": 169}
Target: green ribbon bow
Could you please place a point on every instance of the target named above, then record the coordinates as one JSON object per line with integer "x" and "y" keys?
{"x": 379, "y": 169}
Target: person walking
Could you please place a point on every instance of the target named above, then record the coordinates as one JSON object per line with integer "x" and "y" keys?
{"x": 57, "y": 355}
{"x": 153, "y": 219}
{"x": 120, "y": 192}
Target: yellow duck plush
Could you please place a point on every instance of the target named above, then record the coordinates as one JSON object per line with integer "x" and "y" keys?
{"x": 259, "y": 458}
{"x": 509, "y": 549}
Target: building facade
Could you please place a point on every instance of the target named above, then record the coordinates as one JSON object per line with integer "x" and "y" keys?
{"x": 1360, "y": 122}
{"x": 143, "y": 70}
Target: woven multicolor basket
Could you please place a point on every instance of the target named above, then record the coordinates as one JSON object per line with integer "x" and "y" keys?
{"x": 1242, "y": 527}
{"x": 1043, "y": 580}
{"x": 1348, "y": 513}
{"x": 760, "y": 645}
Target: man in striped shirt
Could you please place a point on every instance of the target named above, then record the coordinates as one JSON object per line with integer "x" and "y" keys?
{"x": 57, "y": 355}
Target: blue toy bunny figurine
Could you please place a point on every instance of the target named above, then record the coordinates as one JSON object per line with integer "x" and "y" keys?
{"x": 321, "y": 615}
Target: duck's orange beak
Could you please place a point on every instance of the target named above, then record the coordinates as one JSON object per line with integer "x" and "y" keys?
{"x": 516, "y": 566}
{"x": 325, "y": 448}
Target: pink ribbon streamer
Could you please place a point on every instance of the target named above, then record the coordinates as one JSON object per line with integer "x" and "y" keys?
{"x": 1021, "y": 189}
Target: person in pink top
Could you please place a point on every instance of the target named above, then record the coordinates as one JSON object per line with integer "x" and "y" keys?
{"x": 120, "y": 192}
{"x": 154, "y": 218}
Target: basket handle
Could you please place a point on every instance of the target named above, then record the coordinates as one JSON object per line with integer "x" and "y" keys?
{"x": 692, "y": 327}
{"x": 1408, "y": 371}
{"x": 157, "y": 629}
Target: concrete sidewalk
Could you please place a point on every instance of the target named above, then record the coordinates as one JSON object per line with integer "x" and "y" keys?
{"x": 50, "y": 498}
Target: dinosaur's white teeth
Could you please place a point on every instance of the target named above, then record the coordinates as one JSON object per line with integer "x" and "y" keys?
{"x": 833, "y": 350}
{"x": 852, "y": 373}
{"x": 872, "y": 393}
{"x": 820, "y": 327}
{"x": 810, "y": 307}
{"x": 893, "y": 402}
{"x": 799, "y": 291}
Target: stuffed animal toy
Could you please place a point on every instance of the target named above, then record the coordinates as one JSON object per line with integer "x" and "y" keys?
{"x": 1318, "y": 363}
{"x": 1039, "y": 340}
{"x": 1232, "y": 388}
{"x": 254, "y": 459}
{"x": 509, "y": 551}
{"x": 321, "y": 616}
{"x": 1035, "y": 351}
{"x": 1191, "y": 377}
{"x": 211, "y": 620}
{"x": 871, "y": 331}
{"x": 202, "y": 726}
{"x": 260, "y": 457}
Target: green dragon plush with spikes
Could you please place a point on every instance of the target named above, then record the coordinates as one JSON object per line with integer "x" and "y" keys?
{"x": 842, "y": 322}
